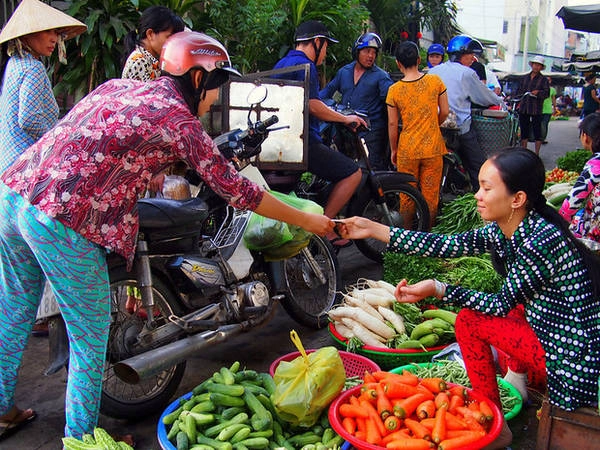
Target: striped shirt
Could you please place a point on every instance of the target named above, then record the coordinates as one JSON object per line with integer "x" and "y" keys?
{"x": 27, "y": 106}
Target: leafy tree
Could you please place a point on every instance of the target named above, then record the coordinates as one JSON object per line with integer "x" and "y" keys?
{"x": 94, "y": 56}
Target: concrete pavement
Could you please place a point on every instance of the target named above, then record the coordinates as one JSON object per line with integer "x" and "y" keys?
{"x": 256, "y": 350}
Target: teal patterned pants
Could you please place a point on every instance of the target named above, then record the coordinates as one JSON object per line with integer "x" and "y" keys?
{"x": 34, "y": 247}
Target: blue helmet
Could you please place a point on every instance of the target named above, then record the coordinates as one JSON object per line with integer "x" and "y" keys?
{"x": 367, "y": 40}
{"x": 436, "y": 49}
{"x": 462, "y": 44}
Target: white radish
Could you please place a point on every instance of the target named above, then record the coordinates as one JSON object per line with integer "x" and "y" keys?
{"x": 395, "y": 319}
{"x": 343, "y": 330}
{"x": 353, "y": 301}
{"x": 374, "y": 296}
{"x": 387, "y": 286}
{"x": 365, "y": 335}
{"x": 365, "y": 319}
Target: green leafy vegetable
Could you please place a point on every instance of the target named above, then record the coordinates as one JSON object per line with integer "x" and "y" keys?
{"x": 573, "y": 160}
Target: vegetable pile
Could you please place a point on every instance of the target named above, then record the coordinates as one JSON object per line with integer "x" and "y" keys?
{"x": 370, "y": 315}
{"x": 101, "y": 440}
{"x": 453, "y": 372}
{"x": 233, "y": 410}
{"x": 458, "y": 216}
{"x": 574, "y": 160}
{"x": 402, "y": 411}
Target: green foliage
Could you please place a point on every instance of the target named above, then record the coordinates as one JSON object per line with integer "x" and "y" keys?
{"x": 472, "y": 272}
{"x": 458, "y": 216}
{"x": 574, "y": 160}
{"x": 95, "y": 56}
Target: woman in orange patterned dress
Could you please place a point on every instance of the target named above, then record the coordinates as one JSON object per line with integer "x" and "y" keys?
{"x": 419, "y": 102}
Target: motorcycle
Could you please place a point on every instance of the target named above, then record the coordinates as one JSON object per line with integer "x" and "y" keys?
{"x": 387, "y": 197}
{"x": 196, "y": 284}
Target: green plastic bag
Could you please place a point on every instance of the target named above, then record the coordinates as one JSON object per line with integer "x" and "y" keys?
{"x": 305, "y": 386}
{"x": 278, "y": 240}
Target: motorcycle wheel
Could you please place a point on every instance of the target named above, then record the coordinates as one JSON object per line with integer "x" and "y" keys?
{"x": 307, "y": 298}
{"x": 120, "y": 399}
{"x": 365, "y": 206}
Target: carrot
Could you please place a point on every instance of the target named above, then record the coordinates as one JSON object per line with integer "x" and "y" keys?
{"x": 400, "y": 434}
{"x": 470, "y": 412}
{"x": 455, "y": 423}
{"x": 455, "y": 400}
{"x": 361, "y": 426}
{"x": 384, "y": 405}
{"x": 405, "y": 407}
{"x": 450, "y": 434}
{"x": 419, "y": 431}
{"x": 424, "y": 390}
{"x": 348, "y": 410}
{"x": 374, "y": 418}
{"x": 434, "y": 384}
{"x": 369, "y": 395}
{"x": 392, "y": 423}
{"x": 486, "y": 410}
{"x": 410, "y": 444}
{"x": 361, "y": 435}
{"x": 369, "y": 378}
{"x": 425, "y": 409}
{"x": 438, "y": 433}
{"x": 405, "y": 377}
{"x": 428, "y": 423}
{"x": 396, "y": 389}
{"x": 469, "y": 419}
{"x": 372, "y": 434}
{"x": 349, "y": 425}
{"x": 458, "y": 390}
{"x": 442, "y": 399}
{"x": 353, "y": 400}
{"x": 458, "y": 443}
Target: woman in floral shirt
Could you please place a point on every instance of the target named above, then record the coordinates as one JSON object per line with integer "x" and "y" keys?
{"x": 142, "y": 46}
{"x": 72, "y": 196}
{"x": 582, "y": 207}
{"x": 548, "y": 272}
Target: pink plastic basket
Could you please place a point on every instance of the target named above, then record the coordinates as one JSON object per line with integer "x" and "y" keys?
{"x": 335, "y": 420}
{"x": 355, "y": 365}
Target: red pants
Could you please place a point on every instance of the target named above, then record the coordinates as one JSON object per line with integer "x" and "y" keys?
{"x": 476, "y": 333}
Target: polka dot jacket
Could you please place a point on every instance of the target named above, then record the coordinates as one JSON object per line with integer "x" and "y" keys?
{"x": 548, "y": 277}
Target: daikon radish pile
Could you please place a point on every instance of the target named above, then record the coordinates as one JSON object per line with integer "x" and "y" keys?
{"x": 370, "y": 315}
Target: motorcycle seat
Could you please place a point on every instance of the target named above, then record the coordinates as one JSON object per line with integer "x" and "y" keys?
{"x": 162, "y": 212}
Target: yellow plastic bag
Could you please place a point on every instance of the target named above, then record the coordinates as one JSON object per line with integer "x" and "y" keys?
{"x": 305, "y": 386}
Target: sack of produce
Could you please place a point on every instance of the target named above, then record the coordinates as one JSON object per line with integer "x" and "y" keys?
{"x": 176, "y": 187}
{"x": 278, "y": 240}
{"x": 305, "y": 386}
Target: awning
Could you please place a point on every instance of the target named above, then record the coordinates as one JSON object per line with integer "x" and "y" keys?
{"x": 582, "y": 18}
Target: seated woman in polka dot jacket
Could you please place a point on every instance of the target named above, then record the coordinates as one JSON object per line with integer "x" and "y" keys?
{"x": 546, "y": 316}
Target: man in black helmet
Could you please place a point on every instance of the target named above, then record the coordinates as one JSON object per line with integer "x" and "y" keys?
{"x": 311, "y": 41}
{"x": 363, "y": 87}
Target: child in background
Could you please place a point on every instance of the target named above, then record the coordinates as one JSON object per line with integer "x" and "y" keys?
{"x": 582, "y": 207}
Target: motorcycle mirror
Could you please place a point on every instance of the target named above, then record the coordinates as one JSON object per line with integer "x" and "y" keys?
{"x": 257, "y": 95}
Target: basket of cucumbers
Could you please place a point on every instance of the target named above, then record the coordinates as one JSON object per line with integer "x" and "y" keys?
{"x": 232, "y": 409}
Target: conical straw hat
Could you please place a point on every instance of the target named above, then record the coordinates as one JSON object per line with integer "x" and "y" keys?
{"x": 32, "y": 16}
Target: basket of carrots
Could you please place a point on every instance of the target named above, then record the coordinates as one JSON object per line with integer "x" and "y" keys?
{"x": 370, "y": 322}
{"x": 402, "y": 411}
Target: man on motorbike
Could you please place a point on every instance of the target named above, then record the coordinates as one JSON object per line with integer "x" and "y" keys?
{"x": 363, "y": 87}
{"x": 311, "y": 41}
{"x": 72, "y": 196}
{"x": 464, "y": 89}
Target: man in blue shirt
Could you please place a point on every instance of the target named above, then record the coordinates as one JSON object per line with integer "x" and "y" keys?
{"x": 464, "y": 88}
{"x": 364, "y": 87}
{"x": 312, "y": 39}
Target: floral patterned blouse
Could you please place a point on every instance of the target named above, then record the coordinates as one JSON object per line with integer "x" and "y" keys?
{"x": 141, "y": 65}
{"x": 582, "y": 207}
{"x": 89, "y": 170}
{"x": 547, "y": 276}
